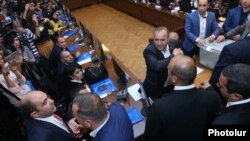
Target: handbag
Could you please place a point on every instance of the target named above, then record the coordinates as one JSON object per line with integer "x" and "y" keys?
{"x": 95, "y": 74}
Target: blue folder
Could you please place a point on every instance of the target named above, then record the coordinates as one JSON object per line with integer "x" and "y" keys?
{"x": 69, "y": 33}
{"x": 103, "y": 87}
{"x": 134, "y": 115}
{"x": 73, "y": 47}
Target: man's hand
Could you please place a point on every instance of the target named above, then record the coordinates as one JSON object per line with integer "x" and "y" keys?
{"x": 220, "y": 38}
{"x": 212, "y": 38}
{"x": 204, "y": 85}
{"x": 201, "y": 42}
{"x": 177, "y": 51}
{"x": 77, "y": 128}
{"x": 236, "y": 37}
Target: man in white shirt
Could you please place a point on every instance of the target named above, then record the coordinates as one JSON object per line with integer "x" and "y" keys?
{"x": 157, "y": 55}
{"x": 199, "y": 25}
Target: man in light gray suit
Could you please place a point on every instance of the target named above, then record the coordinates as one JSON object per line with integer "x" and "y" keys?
{"x": 237, "y": 33}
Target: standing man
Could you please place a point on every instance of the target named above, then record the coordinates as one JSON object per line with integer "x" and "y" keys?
{"x": 112, "y": 124}
{"x": 43, "y": 124}
{"x": 157, "y": 55}
{"x": 237, "y": 16}
{"x": 199, "y": 25}
{"x": 237, "y": 52}
{"x": 182, "y": 114}
{"x": 234, "y": 85}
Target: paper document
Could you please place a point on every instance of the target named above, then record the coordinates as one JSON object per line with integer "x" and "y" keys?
{"x": 133, "y": 91}
{"x": 215, "y": 46}
{"x": 199, "y": 70}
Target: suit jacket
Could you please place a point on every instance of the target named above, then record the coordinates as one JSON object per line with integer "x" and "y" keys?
{"x": 44, "y": 131}
{"x": 192, "y": 29}
{"x": 181, "y": 115}
{"x": 241, "y": 29}
{"x": 233, "y": 19}
{"x": 156, "y": 74}
{"x": 237, "y": 52}
{"x": 236, "y": 114}
{"x": 118, "y": 127}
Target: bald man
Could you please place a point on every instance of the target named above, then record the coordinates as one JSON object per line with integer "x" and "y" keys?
{"x": 182, "y": 114}
{"x": 43, "y": 124}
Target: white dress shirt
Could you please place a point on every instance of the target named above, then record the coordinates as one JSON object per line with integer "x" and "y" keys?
{"x": 94, "y": 132}
{"x": 166, "y": 53}
{"x": 238, "y": 102}
{"x": 54, "y": 121}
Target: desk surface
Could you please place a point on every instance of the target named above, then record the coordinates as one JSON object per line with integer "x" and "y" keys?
{"x": 148, "y": 13}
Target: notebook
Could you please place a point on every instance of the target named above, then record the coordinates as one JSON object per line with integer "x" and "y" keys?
{"x": 73, "y": 47}
{"x": 84, "y": 58}
{"x": 103, "y": 87}
{"x": 134, "y": 115}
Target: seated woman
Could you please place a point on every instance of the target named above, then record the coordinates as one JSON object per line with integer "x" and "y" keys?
{"x": 74, "y": 81}
{"x": 12, "y": 79}
{"x": 14, "y": 45}
{"x": 57, "y": 25}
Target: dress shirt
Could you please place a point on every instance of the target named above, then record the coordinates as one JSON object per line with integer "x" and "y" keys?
{"x": 238, "y": 102}
{"x": 166, "y": 53}
{"x": 77, "y": 81}
{"x": 55, "y": 121}
{"x": 184, "y": 87}
{"x": 94, "y": 132}
{"x": 203, "y": 24}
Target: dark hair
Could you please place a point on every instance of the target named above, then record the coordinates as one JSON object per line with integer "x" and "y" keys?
{"x": 238, "y": 79}
{"x": 90, "y": 106}
{"x": 27, "y": 108}
{"x": 70, "y": 69}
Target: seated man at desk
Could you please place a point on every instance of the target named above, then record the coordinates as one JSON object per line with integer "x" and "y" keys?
{"x": 199, "y": 25}
{"x": 238, "y": 33}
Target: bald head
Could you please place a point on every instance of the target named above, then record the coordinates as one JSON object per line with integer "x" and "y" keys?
{"x": 37, "y": 104}
{"x": 183, "y": 68}
{"x": 66, "y": 57}
{"x": 173, "y": 36}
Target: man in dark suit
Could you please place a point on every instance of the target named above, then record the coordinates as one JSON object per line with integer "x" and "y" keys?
{"x": 237, "y": 52}
{"x": 59, "y": 46}
{"x": 182, "y": 114}
{"x": 237, "y": 16}
{"x": 199, "y": 25}
{"x": 108, "y": 124}
{"x": 234, "y": 85}
{"x": 157, "y": 55}
{"x": 238, "y": 33}
{"x": 43, "y": 124}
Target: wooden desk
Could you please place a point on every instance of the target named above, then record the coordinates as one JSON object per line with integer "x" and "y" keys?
{"x": 148, "y": 13}
{"x": 108, "y": 63}
{"x": 73, "y": 4}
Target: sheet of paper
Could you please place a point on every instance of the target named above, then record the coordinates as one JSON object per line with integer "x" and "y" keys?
{"x": 133, "y": 91}
{"x": 199, "y": 70}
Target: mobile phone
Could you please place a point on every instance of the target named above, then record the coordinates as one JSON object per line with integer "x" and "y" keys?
{"x": 122, "y": 94}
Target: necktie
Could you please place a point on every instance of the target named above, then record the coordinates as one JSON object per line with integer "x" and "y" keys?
{"x": 63, "y": 123}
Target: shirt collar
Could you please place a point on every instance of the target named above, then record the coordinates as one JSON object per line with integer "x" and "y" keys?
{"x": 94, "y": 132}
{"x": 184, "y": 87}
{"x": 164, "y": 51}
{"x": 78, "y": 81}
{"x": 238, "y": 102}
{"x": 202, "y": 16}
